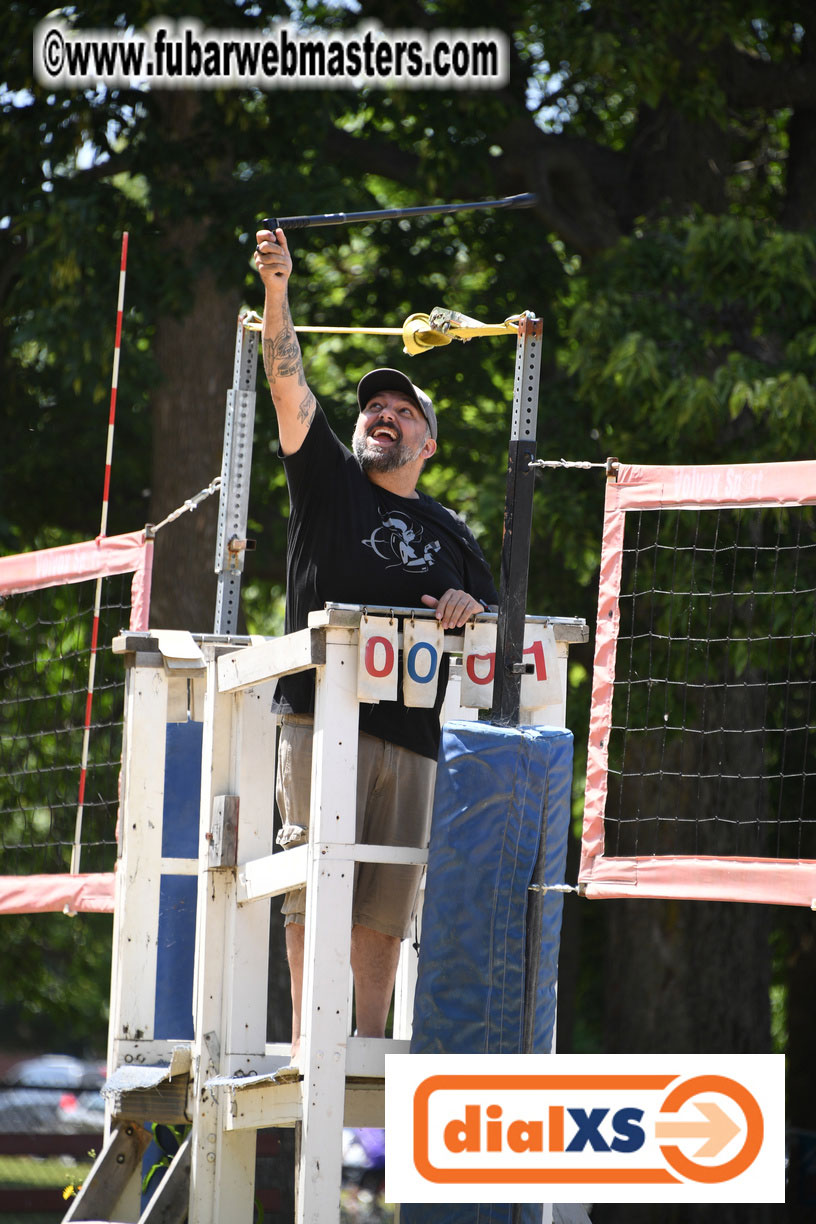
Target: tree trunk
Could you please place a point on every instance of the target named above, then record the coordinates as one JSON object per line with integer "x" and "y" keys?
{"x": 800, "y": 195}
{"x": 195, "y": 354}
{"x": 194, "y": 348}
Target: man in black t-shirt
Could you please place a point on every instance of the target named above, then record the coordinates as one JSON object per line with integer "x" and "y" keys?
{"x": 360, "y": 532}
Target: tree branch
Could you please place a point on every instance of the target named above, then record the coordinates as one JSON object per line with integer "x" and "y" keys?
{"x": 575, "y": 180}
{"x": 117, "y": 163}
{"x": 366, "y": 154}
{"x": 749, "y": 81}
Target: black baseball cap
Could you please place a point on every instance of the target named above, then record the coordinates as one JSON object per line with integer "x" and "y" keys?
{"x": 395, "y": 380}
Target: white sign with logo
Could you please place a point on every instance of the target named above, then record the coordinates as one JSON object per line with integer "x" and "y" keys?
{"x": 576, "y": 1128}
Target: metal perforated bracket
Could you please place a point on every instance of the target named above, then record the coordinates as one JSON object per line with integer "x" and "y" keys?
{"x": 518, "y": 516}
{"x": 236, "y": 467}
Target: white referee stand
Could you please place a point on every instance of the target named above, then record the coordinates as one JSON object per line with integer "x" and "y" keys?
{"x": 224, "y": 1078}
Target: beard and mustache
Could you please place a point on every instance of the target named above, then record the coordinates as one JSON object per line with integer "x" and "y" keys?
{"x": 388, "y": 460}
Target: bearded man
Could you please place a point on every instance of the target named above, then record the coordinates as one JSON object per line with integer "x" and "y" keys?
{"x": 360, "y": 532}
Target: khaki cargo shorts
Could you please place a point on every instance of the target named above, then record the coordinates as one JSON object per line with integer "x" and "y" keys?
{"x": 394, "y": 801}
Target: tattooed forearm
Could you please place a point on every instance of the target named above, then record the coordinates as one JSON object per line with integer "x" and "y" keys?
{"x": 281, "y": 356}
{"x": 281, "y": 353}
{"x": 295, "y": 405}
{"x": 269, "y": 357}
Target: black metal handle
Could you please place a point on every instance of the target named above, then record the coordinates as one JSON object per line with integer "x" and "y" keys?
{"x": 385, "y": 214}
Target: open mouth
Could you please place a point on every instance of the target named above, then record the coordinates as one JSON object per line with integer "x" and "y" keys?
{"x": 384, "y": 433}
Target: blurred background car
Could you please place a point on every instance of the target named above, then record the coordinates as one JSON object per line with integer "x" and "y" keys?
{"x": 54, "y": 1093}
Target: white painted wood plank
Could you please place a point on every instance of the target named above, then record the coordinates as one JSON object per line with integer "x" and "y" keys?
{"x": 364, "y": 853}
{"x": 263, "y": 1105}
{"x": 222, "y": 1173}
{"x": 133, "y": 985}
{"x": 246, "y": 970}
{"x": 253, "y": 747}
{"x": 268, "y": 1104}
{"x": 248, "y": 1067}
{"x": 178, "y": 866}
{"x": 275, "y": 657}
{"x": 179, "y": 649}
{"x": 145, "y": 1053}
{"x": 272, "y": 875}
{"x": 136, "y": 909}
{"x": 276, "y": 874}
{"x": 365, "y": 1056}
{"x": 328, "y": 933}
{"x": 406, "y": 980}
{"x": 567, "y": 628}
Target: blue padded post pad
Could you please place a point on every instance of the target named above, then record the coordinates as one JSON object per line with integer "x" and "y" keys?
{"x": 182, "y": 789}
{"x": 173, "y": 1014}
{"x": 496, "y": 788}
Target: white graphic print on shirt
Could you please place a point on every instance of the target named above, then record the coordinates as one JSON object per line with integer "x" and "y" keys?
{"x": 400, "y": 540}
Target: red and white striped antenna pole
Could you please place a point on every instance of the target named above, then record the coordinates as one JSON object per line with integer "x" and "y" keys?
{"x": 117, "y": 344}
{"x": 83, "y": 769}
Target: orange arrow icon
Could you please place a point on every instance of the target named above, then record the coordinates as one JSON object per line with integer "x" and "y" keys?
{"x": 718, "y": 1129}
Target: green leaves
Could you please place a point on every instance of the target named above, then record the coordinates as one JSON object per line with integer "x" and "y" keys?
{"x": 698, "y": 334}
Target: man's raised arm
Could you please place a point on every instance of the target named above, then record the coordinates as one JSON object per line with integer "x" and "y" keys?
{"x": 294, "y": 403}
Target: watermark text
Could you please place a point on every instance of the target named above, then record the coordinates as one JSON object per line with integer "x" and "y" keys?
{"x": 184, "y": 55}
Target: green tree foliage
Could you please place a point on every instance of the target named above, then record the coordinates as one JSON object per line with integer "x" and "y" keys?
{"x": 693, "y": 341}
{"x": 56, "y": 983}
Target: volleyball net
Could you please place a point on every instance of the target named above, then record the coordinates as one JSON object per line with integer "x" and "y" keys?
{"x": 701, "y": 774}
{"x": 61, "y": 709}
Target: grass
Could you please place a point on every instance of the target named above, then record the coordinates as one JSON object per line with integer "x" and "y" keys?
{"x": 39, "y": 1173}
{"x": 42, "y": 1171}
{"x": 52, "y": 1172}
